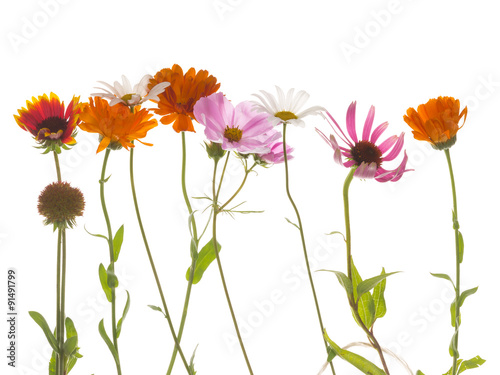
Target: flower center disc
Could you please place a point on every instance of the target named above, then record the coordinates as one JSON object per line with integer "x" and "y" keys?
{"x": 54, "y": 124}
{"x": 286, "y": 115}
{"x": 232, "y": 134}
{"x": 366, "y": 152}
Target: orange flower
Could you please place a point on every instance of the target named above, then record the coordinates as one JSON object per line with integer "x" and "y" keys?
{"x": 436, "y": 121}
{"x": 116, "y": 125}
{"x": 177, "y": 101}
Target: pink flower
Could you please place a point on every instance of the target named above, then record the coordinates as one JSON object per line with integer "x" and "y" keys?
{"x": 276, "y": 155}
{"x": 365, "y": 154}
{"x": 236, "y": 128}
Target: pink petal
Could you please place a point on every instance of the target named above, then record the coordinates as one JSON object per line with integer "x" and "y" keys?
{"x": 351, "y": 122}
{"x": 387, "y": 144}
{"x": 378, "y": 132}
{"x": 396, "y": 150}
{"x": 368, "y": 124}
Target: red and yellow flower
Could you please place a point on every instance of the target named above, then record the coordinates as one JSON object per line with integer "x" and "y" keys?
{"x": 437, "y": 121}
{"x": 117, "y": 125}
{"x": 50, "y": 123}
{"x": 177, "y": 101}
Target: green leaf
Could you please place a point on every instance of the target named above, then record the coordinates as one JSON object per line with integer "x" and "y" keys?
{"x": 117, "y": 242}
{"x": 156, "y": 308}
{"x": 368, "y": 284}
{"x": 336, "y": 232}
{"x": 454, "y": 314}
{"x": 125, "y": 311}
{"x": 453, "y": 347}
{"x": 112, "y": 279}
{"x": 70, "y": 345}
{"x": 205, "y": 257}
{"x": 471, "y": 363}
{"x": 365, "y": 303}
{"x": 378, "y": 298}
{"x": 105, "y": 337}
{"x": 70, "y": 328}
{"x": 460, "y": 247}
{"x": 331, "y": 354}
{"x": 420, "y": 372}
{"x": 103, "y": 277}
{"x": 459, "y": 361}
{"x": 52, "y": 364}
{"x": 466, "y": 294}
{"x": 95, "y": 235}
{"x": 295, "y": 225}
{"x": 344, "y": 281}
{"x": 444, "y": 276}
{"x": 191, "y": 362}
{"x": 40, "y": 320}
{"x": 193, "y": 249}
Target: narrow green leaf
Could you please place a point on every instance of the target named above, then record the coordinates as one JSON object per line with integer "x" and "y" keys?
{"x": 368, "y": 284}
{"x": 378, "y": 298}
{"x": 471, "y": 363}
{"x": 40, "y": 320}
{"x": 460, "y": 247}
{"x": 117, "y": 242}
{"x": 336, "y": 232}
{"x": 112, "y": 279}
{"x": 70, "y": 345}
{"x": 105, "y": 337}
{"x": 193, "y": 249}
{"x": 156, "y": 308}
{"x": 344, "y": 281}
{"x": 444, "y": 276}
{"x": 70, "y": 328}
{"x": 453, "y": 347}
{"x": 295, "y": 225}
{"x": 365, "y": 303}
{"x": 466, "y": 294}
{"x": 103, "y": 277}
{"x": 454, "y": 315}
{"x": 191, "y": 362}
{"x": 125, "y": 311}
{"x": 95, "y": 235}
{"x": 205, "y": 257}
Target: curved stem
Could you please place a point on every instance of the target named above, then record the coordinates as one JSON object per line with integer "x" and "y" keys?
{"x": 247, "y": 171}
{"x": 456, "y": 227}
{"x": 111, "y": 256}
{"x": 193, "y": 248}
{"x": 301, "y": 230}
{"x": 352, "y": 303}
{"x": 214, "y": 238}
{"x": 150, "y": 257}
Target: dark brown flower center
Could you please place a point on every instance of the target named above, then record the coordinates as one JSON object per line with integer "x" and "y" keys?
{"x": 366, "y": 152}
{"x": 54, "y": 124}
{"x": 233, "y": 134}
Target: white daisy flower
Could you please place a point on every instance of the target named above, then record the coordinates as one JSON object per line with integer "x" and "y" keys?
{"x": 124, "y": 93}
{"x": 285, "y": 108}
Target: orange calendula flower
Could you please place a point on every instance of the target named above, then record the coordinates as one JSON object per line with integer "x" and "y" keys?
{"x": 52, "y": 125}
{"x": 177, "y": 101}
{"x": 117, "y": 126}
{"x": 436, "y": 121}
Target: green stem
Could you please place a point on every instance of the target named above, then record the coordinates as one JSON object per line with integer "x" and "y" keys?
{"x": 247, "y": 171}
{"x": 151, "y": 262}
{"x": 214, "y": 238}
{"x": 222, "y": 175}
{"x": 352, "y": 302}
{"x": 456, "y": 227}
{"x": 63, "y": 296}
{"x": 193, "y": 248}
{"x": 111, "y": 256}
{"x": 59, "y": 360}
{"x": 58, "y": 168}
{"x": 301, "y": 230}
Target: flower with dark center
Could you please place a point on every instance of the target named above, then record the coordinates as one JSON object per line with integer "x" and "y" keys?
{"x": 60, "y": 204}
{"x": 365, "y": 154}
{"x": 50, "y": 123}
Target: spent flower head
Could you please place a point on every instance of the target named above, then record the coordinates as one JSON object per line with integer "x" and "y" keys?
{"x": 436, "y": 121}
{"x": 60, "y": 204}
{"x": 365, "y": 154}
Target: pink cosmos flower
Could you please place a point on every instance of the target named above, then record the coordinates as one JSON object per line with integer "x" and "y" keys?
{"x": 236, "y": 128}
{"x": 364, "y": 153}
{"x": 276, "y": 155}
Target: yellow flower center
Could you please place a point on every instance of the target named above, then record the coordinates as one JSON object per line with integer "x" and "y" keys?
{"x": 233, "y": 134}
{"x": 127, "y": 97}
{"x": 286, "y": 115}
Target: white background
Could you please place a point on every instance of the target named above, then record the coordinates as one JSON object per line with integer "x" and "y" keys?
{"x": 392, "y": 54}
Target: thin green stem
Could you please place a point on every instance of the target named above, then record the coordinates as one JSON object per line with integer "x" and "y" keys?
{"x": 150, "y": 257}
{"x": 222, "y": 174}
{"x": 63, "y": 295}
{"x": 193, "y": 246}
{"x": 301, "y": 230}
{"x": 352, "y": 302}
{"x": 58, "y": 168}
{"x": 102, "y": 181}
{"x": 59, "y": 360}
{"x": 247, "y": 171}
{"x": 456, "y": 227}
{"x": 214, "y": 238}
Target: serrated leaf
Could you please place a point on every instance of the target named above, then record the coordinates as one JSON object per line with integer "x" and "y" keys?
{"x": 117, "y": 242}
{"x": 105, "y": 337}
{"x": 368, "y": 284}
{"x": 365, "y": 303}
{"x": 444, "y": 276}
{"x": 460, "y": 247}
{"x": 112, "y": 279}
{"x": 40, "y": 320}
{"x": 125, "y": 311}
{"x": 103, "y": 277}
{"x": 378, "y": 298}
{"x": 205, "y": 257}
{"x": 471, "y": 363}
{"x": 295, "y": 225}
{"x": 466, "y": 294}
{"x": 344, "y": 281}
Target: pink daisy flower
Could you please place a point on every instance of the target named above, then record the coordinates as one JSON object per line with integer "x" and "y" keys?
{"x": 236, "y": 128}
{"x": 364, "y": 153}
